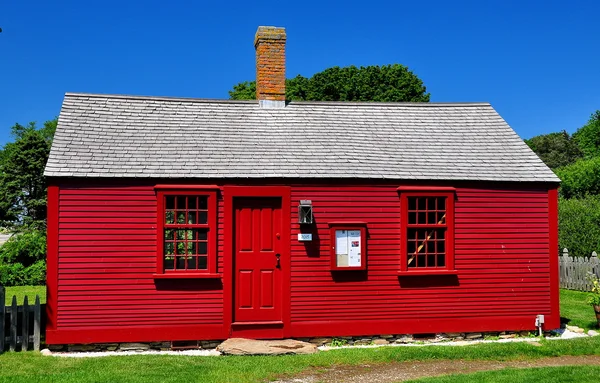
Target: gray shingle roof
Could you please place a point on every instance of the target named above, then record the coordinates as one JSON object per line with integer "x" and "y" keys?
{"x": 129, "y": 136}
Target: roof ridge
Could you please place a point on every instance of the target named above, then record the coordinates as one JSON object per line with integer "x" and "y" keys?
{"x": 157, "y": 98}
{"x": 227, "y": 101}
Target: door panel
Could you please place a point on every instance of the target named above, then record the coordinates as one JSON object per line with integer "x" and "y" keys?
{"x": 257, "y": 242}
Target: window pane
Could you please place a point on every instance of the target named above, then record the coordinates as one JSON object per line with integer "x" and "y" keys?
{"x": 202, "y": 263}
{"x": 202, "y": 234}
{"x": 191, "y": 248}
{"x": 169, "y": 217}
{"x": 180, "y": 263}
{"x": 431, "y": 218}
{"x": 441, "y": 260}
{"x": 441, "y": 218}
{"x": 202, "y": 248}
{"x": 191, "y": 263}
{"x": 170, "y": 202}
{"x": 202, "y": 203}
{"x": 169, "y": 234}
{"x": 169, "y": 248}
{"x": 422, "y": 203}
{"x": 181, "y": 202}
{"x": 420, "y": 260}
{"x": 411, "y": 247}
{"x": 431, "y": 203}
{"x": 191, "y": 217}
{"x": 431, "y": 246}
{"x": 441, "y": 246}
{"x": 181, "y": 235}
{"x": 192, "y": 205}
{"x": 202, "y": 217}
{"x": 412, "y": 203}
{"x": 181, "y": 217}
{"x": 169, "y": 263}
{"x": 431, "y": 260}
{"x": 421, "y": 218}
{"x": 442, "y": 203}
{"x": 412, "y": 218}
{"x": 180, "y": 248}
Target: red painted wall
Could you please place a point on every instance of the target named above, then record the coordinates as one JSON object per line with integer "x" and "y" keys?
{"x": 102, "y": 289}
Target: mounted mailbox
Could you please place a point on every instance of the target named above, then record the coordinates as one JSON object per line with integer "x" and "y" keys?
{"x": 348, "y": 246}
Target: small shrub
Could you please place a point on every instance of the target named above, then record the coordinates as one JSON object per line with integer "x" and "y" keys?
{"x": 338, "y": 342}
{"x": 594, "y": 297}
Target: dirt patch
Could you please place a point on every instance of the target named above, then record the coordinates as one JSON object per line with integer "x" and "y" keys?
{"x": 399, "y": 372}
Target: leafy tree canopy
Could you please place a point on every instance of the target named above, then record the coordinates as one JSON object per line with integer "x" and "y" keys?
{"x": 555, "y": 149}
{"x": 387, "y": 83}
{"x": 22, "y": 184}
{"x": 580, "y": 179}
{"x": 588, "y": 136}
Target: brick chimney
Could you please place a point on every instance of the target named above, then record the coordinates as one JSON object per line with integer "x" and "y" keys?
{"x": 269, "y": 43}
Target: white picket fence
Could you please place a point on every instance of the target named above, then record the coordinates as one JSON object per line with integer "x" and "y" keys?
{"x": 575, "y": 271}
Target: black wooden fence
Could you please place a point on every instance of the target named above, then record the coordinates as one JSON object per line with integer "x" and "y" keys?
{"x": 20, "y": 326}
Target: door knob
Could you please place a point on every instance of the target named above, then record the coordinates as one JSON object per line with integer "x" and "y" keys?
{"x": 278, "y": 260}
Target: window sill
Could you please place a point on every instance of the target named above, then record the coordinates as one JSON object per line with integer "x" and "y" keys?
{"x": 187, "y": 276}
{"x": 416, "y": 273}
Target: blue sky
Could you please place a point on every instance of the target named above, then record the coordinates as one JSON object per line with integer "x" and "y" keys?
{"x": 537, "y": 62}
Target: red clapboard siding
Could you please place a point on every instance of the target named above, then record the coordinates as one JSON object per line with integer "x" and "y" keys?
{"x": 501, "y": 258}
{"x": 107, "y": 255}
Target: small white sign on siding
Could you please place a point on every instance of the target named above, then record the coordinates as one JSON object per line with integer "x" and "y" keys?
{"x": 304, "y": 237}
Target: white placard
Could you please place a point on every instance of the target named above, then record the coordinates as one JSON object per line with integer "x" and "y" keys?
{"x": 354, "y": 246}
{"x": 341, "y": 242}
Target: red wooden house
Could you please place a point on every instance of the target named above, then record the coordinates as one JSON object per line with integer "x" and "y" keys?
{"x": 191, "y": 219}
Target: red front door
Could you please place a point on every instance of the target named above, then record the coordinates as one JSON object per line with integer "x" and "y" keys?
{"x": 257, "y": 259}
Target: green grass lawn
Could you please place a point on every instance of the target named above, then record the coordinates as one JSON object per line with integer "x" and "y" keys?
{"x": 32, "y": 367}
{"x": 573, "y": 307}
{"x": 22, "y": 291}
{"x": 579, "y": 374}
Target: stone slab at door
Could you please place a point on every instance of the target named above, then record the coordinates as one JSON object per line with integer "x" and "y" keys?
{"x": 257, "y": 259}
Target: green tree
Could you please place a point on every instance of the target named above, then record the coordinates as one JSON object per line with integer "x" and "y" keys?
{"x": 385, "y": 83}
{"x": 555, "y": 149}
{"x": 23, "y": 204}
{"x": 588, "y": 136}
{"x": 22, "y": 183}
{"x": 580, "y": 179}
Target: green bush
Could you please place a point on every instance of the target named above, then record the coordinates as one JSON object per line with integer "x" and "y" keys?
{"x": 579, "y": 225}
{"x": 23, "y": 259}
{"x": 580, "y": 179}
